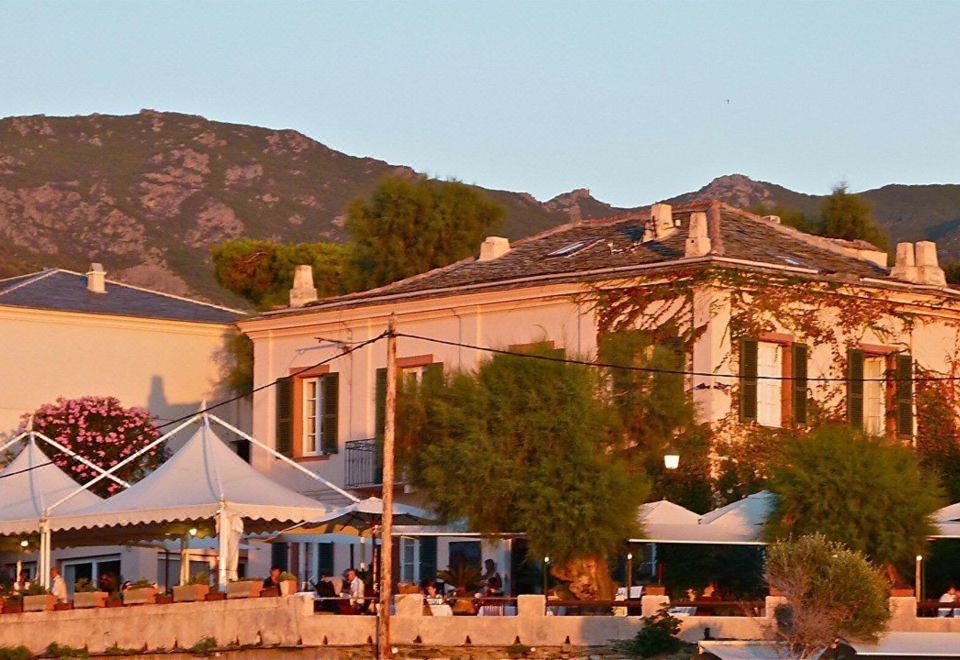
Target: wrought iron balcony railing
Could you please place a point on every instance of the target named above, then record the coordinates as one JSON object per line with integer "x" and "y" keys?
{"x": 364, "y": 459}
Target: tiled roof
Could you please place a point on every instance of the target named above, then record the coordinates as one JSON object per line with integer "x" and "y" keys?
{"x": 66, "y": 291}
{"x": 616, "y": 243}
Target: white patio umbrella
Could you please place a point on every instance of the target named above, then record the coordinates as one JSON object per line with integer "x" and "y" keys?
{"x": 741, "y": 521}
{"x": 360, "y": 519}
{"x": 734, "y": 524}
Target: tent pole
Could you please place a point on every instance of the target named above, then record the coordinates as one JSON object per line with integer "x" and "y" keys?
{"x": 285, "y": 459}
{"x": 223, "y": 532}
{"x": 184, "y": 559}
{"x": 131, "y": 457}
{"x": 9, "y": 443}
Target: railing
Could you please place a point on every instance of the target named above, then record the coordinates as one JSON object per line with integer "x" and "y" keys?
{"x": 934, "y": 608}
{"x": 364, "y": 463}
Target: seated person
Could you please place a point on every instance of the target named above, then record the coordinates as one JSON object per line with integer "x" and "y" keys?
{"x": 273, "y": 581}
{"x": 328, "y": 594}
{"x": 431, "y": 595}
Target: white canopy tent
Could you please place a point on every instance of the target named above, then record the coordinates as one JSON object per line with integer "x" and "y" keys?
{"x": 359, "y": 519}
{"x": 204, "y": 486}
{"x": 738, "y": 523}
{"x": 948, "y": 522}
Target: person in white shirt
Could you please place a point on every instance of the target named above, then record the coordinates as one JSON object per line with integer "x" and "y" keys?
{"x": 23, "y": 583}
{"x": 950, "y": 596}
{"x": 353, "y": 587}
{"x": 58, "y": 586}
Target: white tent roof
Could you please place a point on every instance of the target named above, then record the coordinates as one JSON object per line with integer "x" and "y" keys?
{"x": 359, "y": 517}
{"x": 666, "y": 522}
{"x": 911, "y": 645}
{"x": 743, "y": 519}
{"x": 665, "y": 512}
{"x": 745, "y": 650}
{"x": 191, "y": 485}
{"x": 26, "y": 490}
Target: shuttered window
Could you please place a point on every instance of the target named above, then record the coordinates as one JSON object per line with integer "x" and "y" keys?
{"x": 904, "y": 394}
{"x": 799, "y": 384}
{"x": 284, "y": 416}
{"x": 381, "y": 402}
{"x": 748, "y": 380}
{"x": 329, "y": 439}
{"x": 428, "y": 558}
{"x": 769, "y": 388}
{"x": 321, "y": 402}
{"x": 855, "y": 366}
{"x": 430, "y": 375}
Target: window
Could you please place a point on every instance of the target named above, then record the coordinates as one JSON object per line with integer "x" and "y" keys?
{"x": 769, "y": 363}
{"x": 409, "y": 560}
{"x": 773, "y": 381}
{"x": 412, "y": 370}
{"x": 465, "y": 552}
{"x": 874, "y": 395}
{"x": 880, "y": 391}
{"x": 571, "y": 249}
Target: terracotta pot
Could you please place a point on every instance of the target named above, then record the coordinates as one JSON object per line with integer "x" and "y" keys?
{"x": 60, "y": 607}
{"x": 43, "y": 603}
{"x": 654, "y": 590}
{"x": 188, "y": 593}
{"x": 11, "y": 607}
{"x": 270, "y": 592}
{"x": 215, "y": 595}
{"x": 85, "y": 599}
{"x": 244, "y": 589}
{"x": 164, "y": 599}
{"x": 288, "y": 587}
{"x": 114, "y": 602}
{"x": 140, "y": 596}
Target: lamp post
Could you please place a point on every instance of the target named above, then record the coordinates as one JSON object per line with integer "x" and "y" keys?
{"x": 671, "y": 459}
{"x": 918, "y": 579}
{"x": 546, "y": 573}
{"x": 629, "y": 574}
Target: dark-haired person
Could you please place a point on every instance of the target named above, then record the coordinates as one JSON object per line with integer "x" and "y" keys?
{"x": 273, "y": 580}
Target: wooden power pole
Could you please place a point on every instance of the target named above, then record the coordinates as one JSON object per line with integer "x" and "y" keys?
{"x": 384, "y": 648}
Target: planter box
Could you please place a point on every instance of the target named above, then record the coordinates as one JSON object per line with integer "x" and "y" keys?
{"x": 164, "y": 599}
{"x": 42, "y": 603}
{"x": 244, "y": 589}
{"x": 12, "y": 608}
{"x": 654, "y": 590}
{"x": 189, "y": 593}
{"x": 270, "y": 592}
{"x": 141, "y": 596}
{"x": 288, "y": 587}
{"x": 114, "y": 602}
{"x": 62, "y": 607}
{"x": 215, "y": 595}
{"x": 85, "y": 599}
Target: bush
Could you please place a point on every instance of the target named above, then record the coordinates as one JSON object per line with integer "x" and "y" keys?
{"x": 55, "y": 650}
{"x": 36, "y": 589}
{"x": 84, "y": 585}
{"x": 657, "y": 637}
{"x": 15, "y": 653}
{"x": 201, "y": 578}
{"x": 142, "y": 583}
{"x": 204, "y": 647}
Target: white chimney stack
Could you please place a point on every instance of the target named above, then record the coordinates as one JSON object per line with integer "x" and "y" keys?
{"x": 96, "y": 279}
{"x": 905, "y": 267}
{"x": 493, "y": 247}
{"x": 661, "y": 220}
{"x": 698, "y": 242}
{"x": 303, "y": 291}
{"x": 928, "y": 269}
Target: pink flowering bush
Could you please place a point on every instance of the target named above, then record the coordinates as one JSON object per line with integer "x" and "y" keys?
{"x": 103, "y": 432}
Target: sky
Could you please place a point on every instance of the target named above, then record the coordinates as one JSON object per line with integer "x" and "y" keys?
{"x": 637, "y": 101}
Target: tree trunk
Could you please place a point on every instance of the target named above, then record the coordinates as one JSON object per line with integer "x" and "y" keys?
{"x": 587, "y": 578}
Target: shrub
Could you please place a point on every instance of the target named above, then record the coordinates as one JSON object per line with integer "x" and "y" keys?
{"x": 36, "y": 589}
{"x": 84, "y": 585}
{"x": 287, "y": 577}
{"x": 658, "y": 636}
{"x": 142, "y": 583}
{"x": 15, "y": 653}
{"x": 204, "y": 646}
{"x": 201, "y": 578}
{"x": 55, "y": 650}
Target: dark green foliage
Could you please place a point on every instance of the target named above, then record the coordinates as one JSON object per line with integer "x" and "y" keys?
{"x": 736, "y": 571}
{"x": 938, "y": 433}
{"x": 655, "y": 414}
{"x": 522, "y": 446}
{"x": 952, "y": 270}
{"x": 867, "y": 493}
{"x": 832, "y": 592}
{"x": 790, "y": 217}
{"x": 238, "y": 365}
{"x": 407, "y": 227}
{"x": 205, "y": 646}
{"x": 262, "y": 271}
{"x": 657, "y": 637}
{"x": 15, "y": 653}
{"x": 55, "y": 650}
{"x": 848, "y": 216}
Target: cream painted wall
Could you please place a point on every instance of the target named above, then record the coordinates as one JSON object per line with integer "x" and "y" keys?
{"x": 168, "y": 367}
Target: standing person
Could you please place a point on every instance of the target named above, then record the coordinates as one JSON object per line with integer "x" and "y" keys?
{"x": 353, "y": 588}
{"x": 58, "y": 586}
{"x": 273, "y": 581}
{"x": 22, "y": 583}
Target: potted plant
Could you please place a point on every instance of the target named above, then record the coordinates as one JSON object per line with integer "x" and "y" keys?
{"x": 246, "y": 588}
{"x": 464, "y": 578}
{"x": 13, "y": 604}
{"x": 141, "y": 592}
{"x": 38, "y": 599}
{"x": 288, "y": 583}
{"x": 196, "y": 588}
{"x": 215, "y": 594}
{"x": 163, "y": 599}
{"x": 86, "y": 594}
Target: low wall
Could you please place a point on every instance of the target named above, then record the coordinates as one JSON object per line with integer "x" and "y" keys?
{"x": 290, "y": 621}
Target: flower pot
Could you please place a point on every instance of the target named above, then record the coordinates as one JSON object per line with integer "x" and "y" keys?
{"x": 244, "y": 589}
{"x": 288, "y": 587}
{"x": 140, "y": 596}
{"x": 269, "y": 592}
{"x": 163, "y": 599}
{"x": 188, "y": 593}
{"x": 42, "y": 603}
{"x": 85, "y": 599}
{"x": 12, "y": 607}
{"x": 215, "y": 595}
{"x": 114, "y": 602}
{"x": 62, "y": 607}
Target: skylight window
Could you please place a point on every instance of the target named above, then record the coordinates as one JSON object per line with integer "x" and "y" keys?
{"x": 571, "y": 249}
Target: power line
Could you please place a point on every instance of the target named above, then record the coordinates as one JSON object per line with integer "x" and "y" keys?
{"x": 660, "y": 370}
{"x": 344, "y": 352}
{"x": 32, "y": 467}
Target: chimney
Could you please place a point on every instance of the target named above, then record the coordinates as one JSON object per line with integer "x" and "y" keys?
{"x": 303, "y": 291}
{"x": 661, "y": 221}
{"x": 905, "y": 267}
{"x": 698, "y": 243}
{"x": 775, "y": 219}
{"x": 96, "y": 279}
{"x": 713, "y": 227}
{"x": 493, "y": 247}
{"x": 928, "y": 270}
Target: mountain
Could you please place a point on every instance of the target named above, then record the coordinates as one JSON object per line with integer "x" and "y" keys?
{"x": 148, "y": 194}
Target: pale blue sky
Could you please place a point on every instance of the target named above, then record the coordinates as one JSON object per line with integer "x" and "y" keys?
{"x": 629, "y": 99}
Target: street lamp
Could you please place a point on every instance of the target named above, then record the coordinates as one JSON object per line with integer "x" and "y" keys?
{"x": 193, "y": 531}
{"x": 24, "y": 543}
{"x": 671, "y": 459}
{"x": 629, "y": 574}
{"x": 546, "y": 573}
{"x": 918, "y": 578}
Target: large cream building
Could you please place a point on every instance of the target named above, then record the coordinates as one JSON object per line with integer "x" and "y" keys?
{"x": 751, "y": 298}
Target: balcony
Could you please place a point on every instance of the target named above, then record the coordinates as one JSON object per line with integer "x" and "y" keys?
{"x": 364, "y": 463}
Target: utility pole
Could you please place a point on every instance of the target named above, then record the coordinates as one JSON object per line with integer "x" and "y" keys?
{"x": 384, "y": 648}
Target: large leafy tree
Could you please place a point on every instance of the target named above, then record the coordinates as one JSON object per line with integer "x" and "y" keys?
{"x": 409, "y": 226}
{"x": 262, "y": 271}
{"x": 868, "y": 493}
{"x": 522, "y": 445}
{"x": 848, "y": 216}
{"x": 104, "y": 432}
{"x": 832, "y": 593}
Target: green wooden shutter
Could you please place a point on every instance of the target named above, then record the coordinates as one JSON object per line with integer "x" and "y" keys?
{"x": 381, "y": 402}
{"x": 748, "y": 380}
{"x": 284, "y": 430}
{"x": 855, "y": 387}
{"x": 331, "y": 407}
{"x": 324, "y": 559}
{"x": 799, "y": 384}
{"x": 428, "y": 557}
{"x": 904, "y": 395}
{"x": 433, "y": 375}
